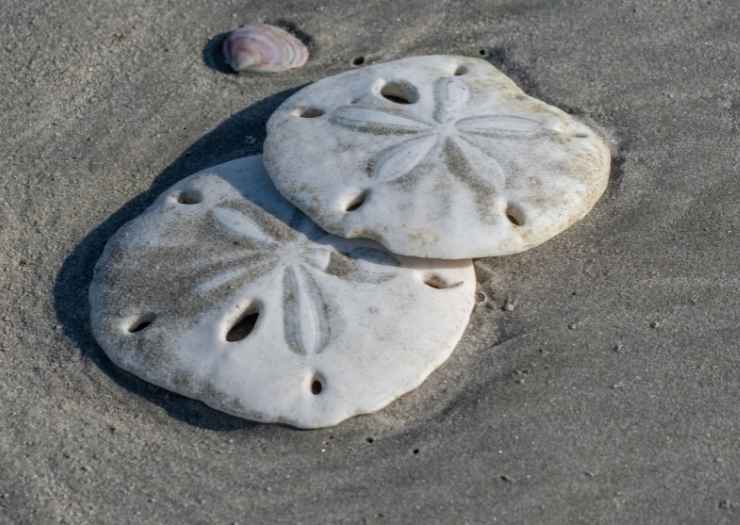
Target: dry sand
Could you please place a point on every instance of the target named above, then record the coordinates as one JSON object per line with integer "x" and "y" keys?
{"x": 608, "y": 394}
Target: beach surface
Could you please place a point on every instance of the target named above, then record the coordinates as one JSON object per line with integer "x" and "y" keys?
{"x": 598, "y": 380}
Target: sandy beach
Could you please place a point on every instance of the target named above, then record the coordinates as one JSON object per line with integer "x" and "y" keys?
{"x": 607, "y": 391}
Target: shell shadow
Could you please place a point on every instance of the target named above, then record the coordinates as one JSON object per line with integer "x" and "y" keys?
{"x": 70, "y": 293}
{"x": 292, "y": 28}
{"x": 214, "y": 58}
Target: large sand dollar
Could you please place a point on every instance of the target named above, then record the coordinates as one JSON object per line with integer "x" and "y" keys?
{"x": 436, "y": 156}
{"x": 224, "y": 292}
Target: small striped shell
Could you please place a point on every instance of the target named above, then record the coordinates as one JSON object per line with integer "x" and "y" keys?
{"x": 263, "y": 48}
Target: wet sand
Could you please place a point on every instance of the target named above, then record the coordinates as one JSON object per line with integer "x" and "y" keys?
{"x": 608, "y": 392}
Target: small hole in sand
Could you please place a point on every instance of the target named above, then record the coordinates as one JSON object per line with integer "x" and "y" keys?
{"x": 356, "y": 201}
{"x": 400, "y": 92}
{"x": 190, "y": 197}
{"x": 244, "y": 325}
{"x": 483, "y": 52}
{"x": 307, "y": 112}
{"x": 461, "y": 70}
{"x": 316, "y": 386}
{"x": 438, "y": 282}
{"x": 358, "y": 61}
{"x": 515, "y": 215}
{"x": 141, "y": 323}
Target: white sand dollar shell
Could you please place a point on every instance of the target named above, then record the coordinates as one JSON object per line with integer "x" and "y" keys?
{"x": 224, "y": 292}
{"x": 436, "y": 156}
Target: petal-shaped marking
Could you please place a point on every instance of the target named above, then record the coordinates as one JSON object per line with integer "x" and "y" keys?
{"x": 223, "y": 258}
{"x": 500, "y": 125}
{"x": 218, "y": 280}
{"x": 482, "y": 185}
{"x": 488, "y": 166}
{"x": 398, "y": 160}
{"x": 377, "y": 121}
{"x": 305, "y": 313}
{"x": 239, "y": 225}
{"x": 250, "y": 269}
{"x": 451, "y": 95}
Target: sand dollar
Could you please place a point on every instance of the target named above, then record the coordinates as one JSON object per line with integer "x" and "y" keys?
{"x": 224, "y": 292}
{"x": 436, "y": 156}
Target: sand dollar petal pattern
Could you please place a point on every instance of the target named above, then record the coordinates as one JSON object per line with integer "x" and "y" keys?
{"x": 223, "y": 291}
{"x": 452, "y": 159}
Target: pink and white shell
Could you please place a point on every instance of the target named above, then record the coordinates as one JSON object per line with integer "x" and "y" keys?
{"x": 263, "y": 48}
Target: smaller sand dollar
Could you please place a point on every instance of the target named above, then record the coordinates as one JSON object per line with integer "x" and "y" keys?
{"x": 435, "y": 156}
{"x": 224, "y": 292}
